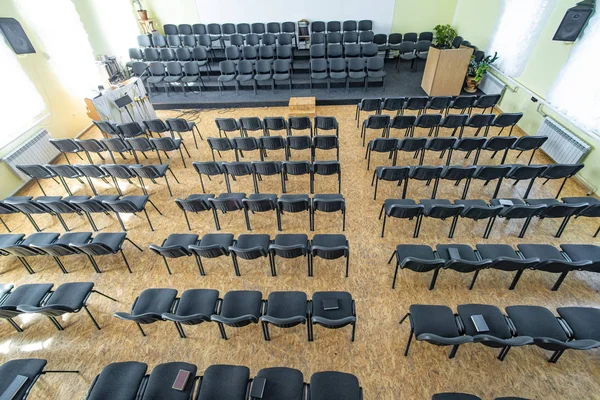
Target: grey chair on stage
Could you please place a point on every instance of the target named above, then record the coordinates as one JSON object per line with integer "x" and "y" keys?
{"x": 258, "y": 203}
{"x": 417, "y": 258}
{"x": 357, "y": 69}
{"x": 319, "y": 70}
{"x": 211, "y": 245}
{"x": 282, "y": 72}
{"x": 406, "y": 52}
{"x": 332, "y": 310}
{"x": 329, "y": 247}
{"x": 131, "y": 205}
{"x": 238, "y": 308}
{"x": 195, "y": 203}
{"x": 149, "y": 306}
{"x": 290, "y": 246}
{"x": 175, "y": 246}
{"x": 285, "y": 310}
{"x": 226, "y": 202}
{"x": 194, "y": 307}
{"x": 208, "y": 168}
{"x": 68, "y": 298}
{"x": 391, "y": 174}
{"x": 375, "y": 69}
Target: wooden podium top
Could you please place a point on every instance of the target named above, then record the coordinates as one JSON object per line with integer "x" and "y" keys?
{"x": 302, "y": 106}
{"x": 445, "y": 71}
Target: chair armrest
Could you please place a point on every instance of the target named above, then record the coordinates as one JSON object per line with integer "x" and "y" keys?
{"x": 185, "y": 318}
{"x": 236, "y": 320}
{"x": 435, "y": 339}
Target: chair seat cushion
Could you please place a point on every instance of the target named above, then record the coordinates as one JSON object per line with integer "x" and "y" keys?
{"x": 319, "y": 75}
{"x": 192, "y": 78}
{"x": 119, "y": 381}
{"x": 286, "y": 304}
{"x": 247, "y": 241}
{"x": 466, "y": 252}
{"x": 161, "y": 380}
{"x": 28, "y": 294}
{"x": 331, "y": 385}
{"x": 241, "y": 302}
{"x": 376, "y": 74}
{"x": 171, "y": 79}
{"x": 197, "y": 301}
{"x": 582, "y": 252}
{"x": 180, "y": 239}
{"x": 357, "y": 74}
{"x": 282, "y": 383}
{"x": 226, "y": 78}
{"x": 333, "y": 196}
{"x": 156, "y": 301}
{"x": 493, "y": 317}
{"x": 294, "y": 197}
{"x": 224, "y": 382}
{"x": 138, "y": 201}
{"x": 438, "y": 320}
{"x": 329, "y": 240}
{"x": 344, "y": 309}
{"x": 535, "y": 321}
{"x": 493, "y": 251}
{"x": 105, "y": 197}
{"x": 112, "y": 240}
{"x": 420, "y": 251}
{"x": 28, "y": 367}
{"x": 585, "y": 321}
{"x": 338, "y": 75}
{"x": 291, "y": 239}
{"x": 281, "y": 77}
{"x": 70, "y": 294}
{"x": 154, "y": 79}
{"x": 544, "y": 252}
{"x": 262, "y": 77}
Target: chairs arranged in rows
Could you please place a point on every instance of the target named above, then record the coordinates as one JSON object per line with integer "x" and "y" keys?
{"x": 56, "y": 206}
{"x": 68, "y": 244}
{"x": 464, "y": 259}
{"x": 39, "y": 298}
{"x": 575, "y": 329}
{"x": 466, "y": 396}
{"x": 241, "y": 308}
{"x": 258, "y": 169}
{"x": 337, "y": 26}
{"x": 480, "y": 210}
{"x": 276, "y": 124}
{"x": 17, "y": 377}
{"x": 443, "y": 104}
{"x": 336, "y": 49}
{"x": 485, "y": 173}
{"x": 441, "y": 145}
{"x": 126, "y": 380}
{"x": 341, "y": 69}
{"x": 261, "y": 71}
{"x": 254, "y": 246}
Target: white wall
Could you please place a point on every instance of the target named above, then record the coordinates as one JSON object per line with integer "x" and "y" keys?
{"x": 381, "y": 12}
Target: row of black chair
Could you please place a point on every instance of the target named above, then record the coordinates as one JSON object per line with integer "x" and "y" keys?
{"x": 258, "y": 169}
{"x": 485, "y": 173}
{"x": 263, "y": 52}
{"x": 128, "y": 380}
{"x": 462, "y": 258}
{"x": 253, "y": 246}
{"x": 451, "y": 144}
{"x": 68, "y": 244}
{"x": 17, "y": 377}
{"x": 480, "y": 210}
{"x": 135, "y": 129}
{"x": 422, "y": 104}
{"x": 345, "y": 70}
{"x": 346, "y": 50}
{"x": 258, "y": 203}
{"x": 270, "y": 124}
{"x": 577, "y": 328}
{"x": 240, "y": 308}
{"x": 56, "y": 206}
{"x": 39, "y": 298}
{"x": 102, "y": 172}
{"x": 433, "y": 122}
{"x": 275, "y": 71}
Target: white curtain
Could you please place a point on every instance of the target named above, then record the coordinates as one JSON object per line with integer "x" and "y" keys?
{"x": 576, "y": 92}
{"x": 517, "y": 31}
{"x": 20, "y": 102}
{"x": 57, "y": 25}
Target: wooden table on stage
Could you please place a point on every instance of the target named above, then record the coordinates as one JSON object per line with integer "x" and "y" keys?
{"x": 302, "y": 107}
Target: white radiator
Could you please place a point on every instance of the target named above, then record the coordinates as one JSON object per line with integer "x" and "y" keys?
{"x": 36, "y": 150}
{"x": 492, "y": 85}
{"x": 562, "y": 145}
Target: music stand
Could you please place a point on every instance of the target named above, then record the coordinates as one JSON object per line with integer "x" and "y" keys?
{"x": 124, "y": 102}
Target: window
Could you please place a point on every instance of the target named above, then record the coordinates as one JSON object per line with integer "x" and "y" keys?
{"x": 65, "y": 41}
{"x": 576, "y": 92}
{"x": 20, "y": 102}
{"x": 517, "y": 31}
{"x": 118, "y": 25}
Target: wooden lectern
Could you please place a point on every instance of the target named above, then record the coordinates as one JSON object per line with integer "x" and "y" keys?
{"x": 445, "y": 71}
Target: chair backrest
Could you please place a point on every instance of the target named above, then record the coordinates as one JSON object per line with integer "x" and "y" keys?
{"x": 205, "y": 41}
{"x": 121, "y": 206}
{"x": 317, "y": 51}
{"x": 428, "y": 120}
{"x": 457, "y": 42}
{"x": 178, "y": 124}
{"x": 328, "y": 205}
{"x": 349, "y": 26}
{"x": 365, "y": 25}
{"x": 395, "y": 173}
{"x": 139, "y": 144}
{"x": 335, "y": 50}
{"x": 118, "y": 170}
{"x": 426, "y": 172}
{"x": 294, "y": 204}
{"x": 507, "y": 119}
{"x": 380, "y": 39}
{"x": 334, "y": 38}
{"x": 441, "y": 143}
{"x": 370, "y": 104}
{"x": 232, "y": 53}
{"x": 463, "y": 102}
{"x": 350, "y": 37}
{"x": 228, "y": 29}
{"x": 245, "y": 67}
{"x": 325, "y": 142}
{"x": 63, "y": 170}
{"x": 272, "y": 142}
{"x": 525, "y": 143}
{"x": 266, "y": 52}
{"x": 317, "y": 26}
{"x": 337, "y": 65}
{"x": 522, "y": 172}
{"x": 288, "y": 27}
{"x": 227, "y": 67}
{"x": 89, "y": 205}
{"x": 374, "y": 63}
{"x": 164, "y": 143}
{"x": 366, "y": 37}
{"x": 115, "y": 144}
{"x": 334, "y": 26}
{"x": 426, "y": 36}
{"x": 559, "y": 171}
{"x": 273, "y": 27}
{"x": 498, "y": 143}
{"x": 220, "y": 144}
{"x": 487, "y": 100}
{"x": 36, "y": 171}
{"x": 151, "y": 54}
{"x": 199, "y": 54}
{"x": 107, "y": 127}
{"x": 183, "y": 54}
{"x": 251, "y": 123}
{"x": 296, "y": 167}
{"x": 267, "y": 167}
{"x": 454, "y": 120}
{"x": 173, "y": 40}
{"x": 193, "y": 205}
{"x": 90, "y": 170}
{"x": 189, "y": 40}
{"x": 243, "y": 28}
{"x": 174, "y": 68}
{"x": 236, "y": 40}
{"x": 439, "y": 102}
{"x": 410, "y": 37}
{"x": 285, "y": 52}
{"x": 377, "y": 121}
{"x": 147, "y": 171}
{"x": 207, "y": 167}
{"x": 480, "y": 120}
{"x": 491, "y": 172}
{"x": 130, "y": 129}
{"x": 407, "y": 47}
{"x": 166, "y": 54}
{"x": 199, "y": 29}
{"x": 412, "y": 144}
{"x": 326, "y": 123}
{"x": 357, "y": 65}
{"x": 136, "y": 53}
{"x": 403, "y": 121}
{"x": 259, "y": 205}
{"x": 144, "y": 41}
{"x": 214, "y": 29}
{"x": 457, "y": 172}
{"x": 226, "y": 204}
{"x": 66, "y": 145}
{"x": 191, "y": 69}
{"x": 158, "y": 40}
{"x": 326, "y": 167}
{"x": 275, "y": 124}
{"x": 258, "y": 28}
{"x": 281, "y": 67}
{"x": 58, "y": 205}
{"x": 245, "y": 143}
{"x": 470, "y": 143}
{"x": 264, "y": 67}
{"x": 383, "y": 145}
{"x": 268, "y": 39}
{"x": 352, "y": 50}
{"x": 184, "y": 29}
{"x": 416, "y": 103}
{"x": 298, "y": 142}
{"x": 395, "y": 38}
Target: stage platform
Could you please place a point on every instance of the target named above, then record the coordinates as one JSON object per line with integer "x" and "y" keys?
{"x": 404, "y": 82}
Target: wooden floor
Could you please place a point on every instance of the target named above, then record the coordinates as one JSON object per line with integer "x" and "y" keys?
{"x": 376, "y": 357}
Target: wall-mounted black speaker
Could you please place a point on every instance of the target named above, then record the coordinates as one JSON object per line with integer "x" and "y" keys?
{"x": 14, "y": 33}
{"x": 574, "y": 21}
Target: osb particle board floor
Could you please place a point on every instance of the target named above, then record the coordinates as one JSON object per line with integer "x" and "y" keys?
{"x": 376, "y": 357}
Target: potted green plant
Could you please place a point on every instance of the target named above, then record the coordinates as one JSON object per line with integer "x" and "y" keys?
{"x": 444, "y": 35}
{"x": 476, "y": 72}
{"x": 140, "y": 10}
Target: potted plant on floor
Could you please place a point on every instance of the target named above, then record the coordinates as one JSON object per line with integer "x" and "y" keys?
{"x": 476, "y": 72}
{"x": 143, "y": 14}
{"x": 444, "y": 35}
